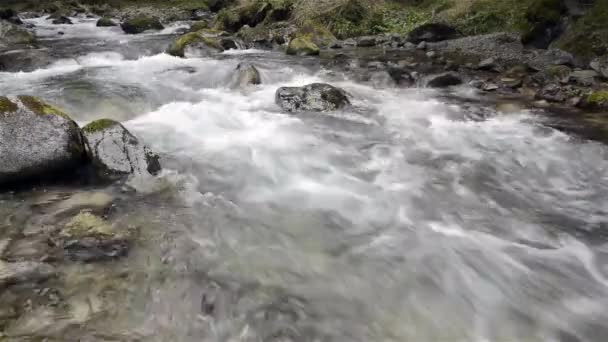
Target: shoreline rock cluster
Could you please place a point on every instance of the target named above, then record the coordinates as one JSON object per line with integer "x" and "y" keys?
{"x": 40, "y": 142}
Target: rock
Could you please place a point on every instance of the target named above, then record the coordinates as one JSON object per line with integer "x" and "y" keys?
{"x": 584, "y": 78}
{"x": 246, "y": 74}
{"x": 366, "y": 41}
{"x": 350, "y": 42}
{"x": 115, "y": 152}
{"x": 141, "y": 24}
{"x": 38, "y": 140}
{"x": 512, "y": 83}
{"x": 317, "y": 34}
{"x": 554, "y": 73}
{"x": 600, "y": 65}
{"x": 489, "y": 86}
{"x": 89, "y": 238}
{"x": 302, "y": 46}
{"x": 421, "y": 46}
{"x": 199, "y": 25}
{"x": 228, "y": 44}
{"x": 206, "y": 39}
{"x": 316, "y": 97}
{"x": 13, "y": 34}
{"x": 551, "y": 93}
{"x": 433, "y": 32}
{"x": 443, "y": 80}
{"x": 431, "y": 54}
{"x": 62, "y": 21}
{"x": 546, "y": 58}
{"x": 596, "y": 102}
{"x": 11, "y": 16}
{"x": 106, "y": 22}
{"x": 27, "y": 271}
{"x": 487, "y": 64}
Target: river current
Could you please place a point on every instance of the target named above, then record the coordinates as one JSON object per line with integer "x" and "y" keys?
{"x": 403, "y": 218}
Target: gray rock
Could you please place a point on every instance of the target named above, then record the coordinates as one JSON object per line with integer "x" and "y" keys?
{"x": 350, "y": 42}
{"x": 141, "y": 23}
{"x": 246, "y": 74}
{"x": 38, "y": 140}
{"x": 316, "y": 97}
{"x": 431, "y": 54}
{"x": 600, "y": 65}
{"x": 421, "y": 46}
{"x": 489, "y": 86}
{"x": 367, "y": 41}
{"x": 487, "y": 64}
{"x": 409, "y": 46}
{"x": 20, "y": 272}
{"x": 585, "y": 78}
{"x": 433, "y": 32}
{"x": 551, "y": 93}
{"x": 106, "y": 22}
{"x": 115, "y": 152}
{"x": 443, "y": 80}
{"x": 546, "y": 58}
{"x": 512, "y": 83}
{"x": 13, "y": 34}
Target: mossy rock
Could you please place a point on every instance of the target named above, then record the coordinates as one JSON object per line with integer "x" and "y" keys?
{"x": 99, "y": 125}
{"x": 199, "y": 25}
{"x": 41, "y": 108}
{"x": 6, "y": 105}
{"x": 178, "y": 47}
{"x": 106, "y": 22}
{"x": 14, "y": 34}
{"x": 141, "y": 24}
{"x": 302, "y": 46}
{"x": 596, "y": 101}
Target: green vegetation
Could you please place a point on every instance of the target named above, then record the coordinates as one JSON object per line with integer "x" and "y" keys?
{"x": 99, "y": 125}
{"x": 6, "y": 105}
{"x": 206, "y": 37}
{"x": 40, "y": 108}
{"x": 588, "y": 36}
{"x": 598, "y": 98}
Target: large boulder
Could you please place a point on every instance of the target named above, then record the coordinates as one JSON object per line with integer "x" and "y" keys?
{"x": 38, "y": 140}
{"x": 316, "y": 97}
{"x": 246, "y": 75}
{"x": 106, "y": 22}
{"x": 63, "y": 20}
{"x": 115, "y": 152}
{"x": 433, "y": 32}
{"x": 141, "y": 24}
{"x": 13, "y": 34}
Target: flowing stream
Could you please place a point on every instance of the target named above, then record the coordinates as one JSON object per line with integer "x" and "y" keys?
{"x": 404, "y": 218}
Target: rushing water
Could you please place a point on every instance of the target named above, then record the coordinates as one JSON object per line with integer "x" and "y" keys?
{"x": 401, "y": 219}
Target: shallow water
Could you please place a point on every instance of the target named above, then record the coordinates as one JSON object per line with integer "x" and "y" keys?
{"x": 405, "y": 218}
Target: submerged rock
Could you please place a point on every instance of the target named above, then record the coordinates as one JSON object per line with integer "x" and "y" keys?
{"x": 246, "y": 74}
{"x": 19, "y": 272}
{"x": 87, "y": 237}
{"x": 106, "y": 22}
{"x": 141, "y": 24}
{"x": 316, "y": 97}
{"x": 38, "y": 140}
{"x": 432, "y": 33}
{"x": 115, "y": 152}
{"x": 443, "y": 80}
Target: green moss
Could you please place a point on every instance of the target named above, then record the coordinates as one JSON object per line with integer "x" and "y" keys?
{"x": 302, "y": 46}
{"x": 39, "y": 107}
{"x": 599, "y": 98}
{"x": 178, "y": 47}
{"x": 99, "y": 125}
{"x": 199, "y": 25}
{"x": 318, "y": 34}
{"x": 86, "y": 224}
{"x": 6, "y": 105}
